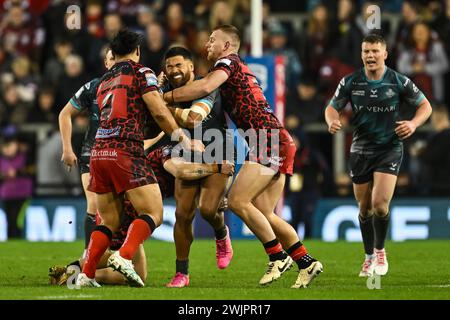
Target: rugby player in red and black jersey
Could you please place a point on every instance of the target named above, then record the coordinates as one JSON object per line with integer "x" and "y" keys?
{"x": 260, "y": 182}
{"x": 127, "y": 96}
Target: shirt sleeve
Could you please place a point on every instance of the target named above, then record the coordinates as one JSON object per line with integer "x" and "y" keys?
{"x": 225, "y": 64}
{"x": 410, "y": 93}
{"x": 208, "y": 100}
{"x": 147, "y": 80}
{"x": 342, "y": 94}
{"x": 82, "y": 98}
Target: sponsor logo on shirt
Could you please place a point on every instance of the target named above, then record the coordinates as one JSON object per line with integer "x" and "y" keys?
{"x": 390, "y": 93}
{"x": 151, "y": 79}
{"x": 376, "y": 108}
{"x": 107, "y": 133}
{"x": 144, "y": 69}
{"x": 361, "y": 93}
{"x": 373, "y": 93}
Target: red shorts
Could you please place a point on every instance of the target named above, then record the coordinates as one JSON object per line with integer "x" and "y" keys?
{"x": 276, "y": 149}
{"x": 113, "y": 170}
{"x": 166, "y": 181}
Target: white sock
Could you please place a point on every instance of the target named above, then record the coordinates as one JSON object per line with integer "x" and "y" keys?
{"x": 370, "y": 256}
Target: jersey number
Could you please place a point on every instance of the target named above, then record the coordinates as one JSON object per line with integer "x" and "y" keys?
{"x": 113, "y": 104}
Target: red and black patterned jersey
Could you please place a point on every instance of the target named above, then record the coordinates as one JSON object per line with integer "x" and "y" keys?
{"x": 242, "y": 96}
{"x": 123, "y": 113}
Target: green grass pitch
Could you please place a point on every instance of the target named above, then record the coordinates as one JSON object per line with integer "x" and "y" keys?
{"x": 417, "y": 270}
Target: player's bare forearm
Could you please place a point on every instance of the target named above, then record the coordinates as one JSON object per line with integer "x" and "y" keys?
{"x": 332, "y": 119}
{"x": 183, "y": 170}
{"x": 65, "y": 126}
{"x": 189, "y": 92}
{"x": 331, "y": 114}
{"x": 197, "y": 89}
{"x": 423, "y": 112}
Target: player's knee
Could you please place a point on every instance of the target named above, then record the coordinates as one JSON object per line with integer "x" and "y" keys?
{"x": 155, "y": 217}
{"x": 236, "y": 202}
{"x": 184, "y": 218}
{"x": 380, "y": 207}
{"x": 207, "y": 210}
{"x": 365, "y": 209}
{"x": 365, "y": 213}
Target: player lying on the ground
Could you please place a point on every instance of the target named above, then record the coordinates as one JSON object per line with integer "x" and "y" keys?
{"x": 161, "y": 166}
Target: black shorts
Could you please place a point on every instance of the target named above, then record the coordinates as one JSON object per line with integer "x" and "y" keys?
{"x": 362, "y": 166}
{"x": 83, "y": 164}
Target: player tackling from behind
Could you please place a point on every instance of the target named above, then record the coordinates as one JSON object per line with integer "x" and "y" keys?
{"x": 127, "y": 96}
{"x": 261, "y": 179}
{"x": 376, "y": 94}
{"x": 84, "y": 99}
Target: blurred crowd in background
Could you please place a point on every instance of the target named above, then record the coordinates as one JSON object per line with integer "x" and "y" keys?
{"x": 43, "y": 63}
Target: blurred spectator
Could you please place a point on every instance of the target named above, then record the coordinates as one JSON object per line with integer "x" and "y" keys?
{"x": 127, "y": 9}
{"x": 348, "y": 43}
{"x": 94, "y": 60}
{"x": 72, "y": 79}
{"x": 26, "y": 82}
{"x": 16, "y": 184}
{"x": 435, "y": 155}
{"x": 13, "y": 110}
{"x": 199, "y": 48}
{"x": 425, "y": 62}
{"x": 410, "y": 15}
{"x": 303, "y": 106}
{"x": 52, "y": 175}
{"x": 442, "y": 26}
{"x": 304, "y": 186}
{"x": 94, "y": 19}
{"x": 279, "y": 46}
{"x": 54, "y": 68}
{"x": 316, "y": 41}
{"x": 331, "y": 72}
{"x": 43, "y": 112}
{"x": 20, "y": 35}
{"x": 224, "y": 12}
{"x": 178, "y": 30}
{"x": 145, "y": 16}
{"x": 202, "y": 12}
{"x": 269, "y": 21}
{"x": 154, "y": 47}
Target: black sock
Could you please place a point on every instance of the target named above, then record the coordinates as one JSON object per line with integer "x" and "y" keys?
{"x": 381, "y": 225}
{"x": 367, "y": 232}
{"x": 75, "y": 263}
{"x": 182, "y": 266}
{"x": 221, "y": 233}
{"x": 281, "y": 255}
{"x": 305, "y": 261}
{"x": 89, "y": 225}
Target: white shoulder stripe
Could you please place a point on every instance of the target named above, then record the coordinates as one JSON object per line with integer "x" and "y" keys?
{"x": 224, "y": 61}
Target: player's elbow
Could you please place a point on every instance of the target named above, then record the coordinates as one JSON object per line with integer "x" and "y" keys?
{"x": 193, "y": 120}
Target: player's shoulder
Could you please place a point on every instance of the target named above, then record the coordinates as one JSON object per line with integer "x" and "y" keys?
{"x": 228, "y": 60}
{"x": 396, "y": 77}
{"x": 140, "y": 68}
{"x": 92, "y": 84}
{"x": 356, "y": 76}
